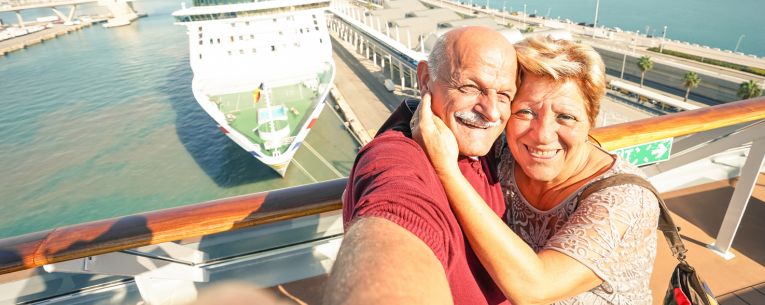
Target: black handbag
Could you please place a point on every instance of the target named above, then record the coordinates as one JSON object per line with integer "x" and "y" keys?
{"x": 686, "y": 286}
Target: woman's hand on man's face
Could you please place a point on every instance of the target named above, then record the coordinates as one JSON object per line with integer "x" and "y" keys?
{"x": 435, "y": 138}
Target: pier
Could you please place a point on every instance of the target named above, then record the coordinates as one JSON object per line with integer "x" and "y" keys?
{"x": 23, "y": 42}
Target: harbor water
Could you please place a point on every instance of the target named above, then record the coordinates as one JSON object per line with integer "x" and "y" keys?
{"x": 102, "y": 123}
{"x": 717, "y": 24}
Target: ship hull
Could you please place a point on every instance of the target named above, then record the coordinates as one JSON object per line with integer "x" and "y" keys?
{"x": 281, "y": 162}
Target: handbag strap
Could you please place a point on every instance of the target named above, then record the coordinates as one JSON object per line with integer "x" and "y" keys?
{"x": 666, "y": 224}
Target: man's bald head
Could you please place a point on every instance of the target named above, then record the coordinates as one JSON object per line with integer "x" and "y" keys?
{"x": 441, "y": 60}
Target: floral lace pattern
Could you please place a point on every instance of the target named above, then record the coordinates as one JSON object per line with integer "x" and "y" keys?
{"x": 612, "y": 232}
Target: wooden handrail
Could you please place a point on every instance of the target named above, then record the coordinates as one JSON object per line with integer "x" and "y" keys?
{"x": 104, "y": 236}
{"x": 679, "y": 124}
{"x": 121, "y": 233}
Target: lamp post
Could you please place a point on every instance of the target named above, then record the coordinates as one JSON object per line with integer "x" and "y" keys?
{"x": 738, "y": 42}
{"x": 503, "y": 14}
{"x": 624, "y": 60}
{"x": 663, "y": 39}
{"x": 595, "y": 23}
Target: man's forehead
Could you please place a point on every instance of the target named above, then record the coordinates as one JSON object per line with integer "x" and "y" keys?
{"x": 483, "y": 69}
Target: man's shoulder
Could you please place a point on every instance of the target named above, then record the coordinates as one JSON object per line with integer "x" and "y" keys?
{"x": 392, "y": 141}
{"x": 392, "y": 152}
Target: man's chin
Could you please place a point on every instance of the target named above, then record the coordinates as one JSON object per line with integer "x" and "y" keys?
{"x": 473, "y": 149}
{"x": 476, "y": 144}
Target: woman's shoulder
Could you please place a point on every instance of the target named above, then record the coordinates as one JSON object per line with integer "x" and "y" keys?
{"x": 624, "y": 197}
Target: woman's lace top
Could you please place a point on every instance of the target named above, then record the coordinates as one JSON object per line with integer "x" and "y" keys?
{"x": 612, "y": 232}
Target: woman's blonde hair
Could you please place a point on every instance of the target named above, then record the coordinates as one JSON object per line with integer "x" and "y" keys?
{"x": 564, "y": 60}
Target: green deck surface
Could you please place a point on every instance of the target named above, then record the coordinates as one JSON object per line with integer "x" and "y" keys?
{"x": 242, "y": 108}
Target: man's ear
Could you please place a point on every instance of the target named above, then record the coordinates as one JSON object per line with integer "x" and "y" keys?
{"x": 423, "y": 77}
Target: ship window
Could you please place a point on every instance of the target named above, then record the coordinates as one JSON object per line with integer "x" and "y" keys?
{"x": 200, "y": 28}
{"x": 314, "y": 16}
{"x": 317, "y": 28}
{"x": 233, "y": 24}
{"x": 301, "y": 31}
{"x": 253, "y": 50}
{"x": 218, "y": 40}
{"x": 281, "y": 33}
{"x": 273, "y": 48}
{"x": 200, "y": 42}
{"x": 315, "y": 22}
{"x": 246, "y": 23}
{"x": 200, "y": 55}
{"x": 252, "y": 36}
{"x": 200, "y": 35}
{"x": 211, "y": 41}
{"x": 229, "y": 52}
{"x": 274, "y": 19}
{"x": 241, "y": 51}
{"x": 241, "y": 37}
{"x": 321, "y": 41}
{"x": 232, "y": 38}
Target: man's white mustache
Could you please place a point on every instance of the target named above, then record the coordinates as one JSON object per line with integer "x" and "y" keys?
{"x": 475, "y": 119}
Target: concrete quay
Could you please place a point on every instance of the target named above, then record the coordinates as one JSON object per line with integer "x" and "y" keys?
{"x": 23, "y": 42}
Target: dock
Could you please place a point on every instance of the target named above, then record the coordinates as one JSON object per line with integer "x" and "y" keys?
{"x": 22, "y": 42}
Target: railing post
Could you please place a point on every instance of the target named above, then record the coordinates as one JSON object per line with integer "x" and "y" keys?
{"x": 749, "y": 173}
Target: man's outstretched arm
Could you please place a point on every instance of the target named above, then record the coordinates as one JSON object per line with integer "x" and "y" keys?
{"x": 382, "y": 263}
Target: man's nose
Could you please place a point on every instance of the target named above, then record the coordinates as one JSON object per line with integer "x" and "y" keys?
{"x": 488, "y": 105}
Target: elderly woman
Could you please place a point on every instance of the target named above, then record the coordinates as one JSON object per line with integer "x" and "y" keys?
{"x": 555, "y": 247}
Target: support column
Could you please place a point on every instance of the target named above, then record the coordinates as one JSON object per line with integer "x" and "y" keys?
{"x": 412, "y": 78}
{"x": 374, "y": 56}
{"x": 21, "y": 20}
{"x": 401, "y": 75}
{"x": 739, "y": 200}
{"x": 390, "y": 58}
{"x": 72, "y": 11}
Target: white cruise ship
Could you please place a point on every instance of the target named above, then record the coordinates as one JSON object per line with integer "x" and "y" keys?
{"x": 262, "y": 70}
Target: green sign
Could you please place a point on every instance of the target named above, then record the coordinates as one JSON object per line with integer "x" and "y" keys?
{"x": 646, "y": 153}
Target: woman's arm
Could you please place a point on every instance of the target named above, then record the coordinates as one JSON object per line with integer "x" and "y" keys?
{"x": 524, "y": 276}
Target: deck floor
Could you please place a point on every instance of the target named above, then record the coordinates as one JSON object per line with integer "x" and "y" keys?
{"x": 699, "y": 212}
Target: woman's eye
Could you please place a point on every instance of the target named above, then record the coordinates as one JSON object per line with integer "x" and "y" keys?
{"x": 525, "y": 113}
{"x": 567, "y": 118}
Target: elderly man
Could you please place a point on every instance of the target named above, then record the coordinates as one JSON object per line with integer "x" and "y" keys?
{"x": 403, "y": 244}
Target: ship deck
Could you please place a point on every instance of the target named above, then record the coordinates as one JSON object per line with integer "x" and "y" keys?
{"x": 241, "y": 110}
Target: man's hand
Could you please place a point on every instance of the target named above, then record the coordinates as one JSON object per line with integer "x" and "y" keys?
{"x": 435, "y": 138}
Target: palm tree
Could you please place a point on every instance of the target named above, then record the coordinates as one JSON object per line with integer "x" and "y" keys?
{"x": 749, "y": 90}
{"x": 690, "y": 80}
{"x": 645, "y": 64}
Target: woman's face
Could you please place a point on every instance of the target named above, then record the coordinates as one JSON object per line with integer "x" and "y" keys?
{"x": 548, "y": 128}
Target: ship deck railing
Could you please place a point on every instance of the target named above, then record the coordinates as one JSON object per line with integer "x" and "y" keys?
{"x": 286, "y": 239}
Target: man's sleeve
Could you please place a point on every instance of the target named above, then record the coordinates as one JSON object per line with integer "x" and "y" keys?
{"x": 393, "y": 180}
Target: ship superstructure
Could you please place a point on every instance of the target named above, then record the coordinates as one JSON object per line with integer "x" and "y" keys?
{"x": 262, "y": 70}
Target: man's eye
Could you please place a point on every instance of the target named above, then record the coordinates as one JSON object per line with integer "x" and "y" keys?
{"x": 469, "y": 89}
{"x": 504, "y": 97}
